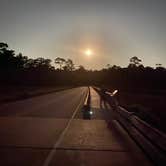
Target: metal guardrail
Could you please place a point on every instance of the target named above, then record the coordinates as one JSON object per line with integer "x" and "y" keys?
{"x": 150, "y": 139}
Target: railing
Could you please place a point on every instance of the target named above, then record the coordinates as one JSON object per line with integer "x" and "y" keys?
{"x": 150, "y": 139}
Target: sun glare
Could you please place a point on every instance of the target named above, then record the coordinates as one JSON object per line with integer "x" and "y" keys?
{"x": 88, "y": 52}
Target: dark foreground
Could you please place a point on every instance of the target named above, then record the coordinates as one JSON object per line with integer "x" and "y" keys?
{"x": 50, "y": 130}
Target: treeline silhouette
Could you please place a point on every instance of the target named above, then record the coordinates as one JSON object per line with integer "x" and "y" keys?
{"x": 21, "y": 70}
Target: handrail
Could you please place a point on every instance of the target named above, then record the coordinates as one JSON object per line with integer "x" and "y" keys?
{"x": 150, "y": 139}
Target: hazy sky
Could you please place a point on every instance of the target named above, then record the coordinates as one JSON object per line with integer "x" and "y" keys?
{"x": 114, "y": 30}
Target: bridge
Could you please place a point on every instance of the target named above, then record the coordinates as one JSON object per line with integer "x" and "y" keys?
{"x": 80, "y": 127}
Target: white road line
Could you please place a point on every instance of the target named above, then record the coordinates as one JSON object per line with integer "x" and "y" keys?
{"x": 53, "y": 151}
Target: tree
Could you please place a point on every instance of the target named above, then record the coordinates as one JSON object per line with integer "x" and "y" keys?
{"x": 135, "y": 62}
{"x": 7, "y": 57}
{"x": 69, "y": 65}
{"x": 108, "y": 66}
{"x": 81, "y": 68}
{"x": 21, "y": 61}
{"x": 38, "y": 63}
{"x": 3, "y": 46}
{"x": 158, "y": 65}
{"x": 60, "y": 62}
{"x": 115, "y": 67}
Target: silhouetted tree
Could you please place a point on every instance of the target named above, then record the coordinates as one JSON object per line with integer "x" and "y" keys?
{"x": 135, "y": 62}
{"x": 21, "y": 61}
{"x": 108, "y": 66}
{"x": 81, "y": 68}
{"x": 3, "y": 46}
{"x": 7, "y": 59}
{"x": 19, "y": 69}
{"x": 69, "y": 65}
{"x": 158, "y": 65}
{"x": 115, "y": 67}
{"x": 60, "y": 62}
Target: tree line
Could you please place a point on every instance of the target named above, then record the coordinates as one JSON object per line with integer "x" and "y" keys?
{"x": 16, "y": 69}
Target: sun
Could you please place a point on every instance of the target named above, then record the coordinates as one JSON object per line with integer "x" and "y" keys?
{"x": 88, "y": 52}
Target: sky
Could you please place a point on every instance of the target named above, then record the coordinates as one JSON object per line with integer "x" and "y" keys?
{"x": 114, "y": 30}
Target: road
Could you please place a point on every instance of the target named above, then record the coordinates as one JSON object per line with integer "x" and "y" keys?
{"x": 55, "y": 105}
{"x": 50, "y": 130}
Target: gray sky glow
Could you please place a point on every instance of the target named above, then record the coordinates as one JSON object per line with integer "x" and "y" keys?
{"x": 114, "y": 29}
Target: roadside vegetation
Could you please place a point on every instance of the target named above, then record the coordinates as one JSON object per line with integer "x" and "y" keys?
{"x": 150, "y": 107}
{"x": 14, "y": 93}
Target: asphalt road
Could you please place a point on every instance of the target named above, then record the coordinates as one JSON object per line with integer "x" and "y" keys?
{"x": 30, "y": 128}
{"x": 55, "y": 105}
{"x": 49, "y": 131}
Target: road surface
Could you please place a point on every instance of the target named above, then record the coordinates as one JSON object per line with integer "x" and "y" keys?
{"x": 50, "y": 130}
